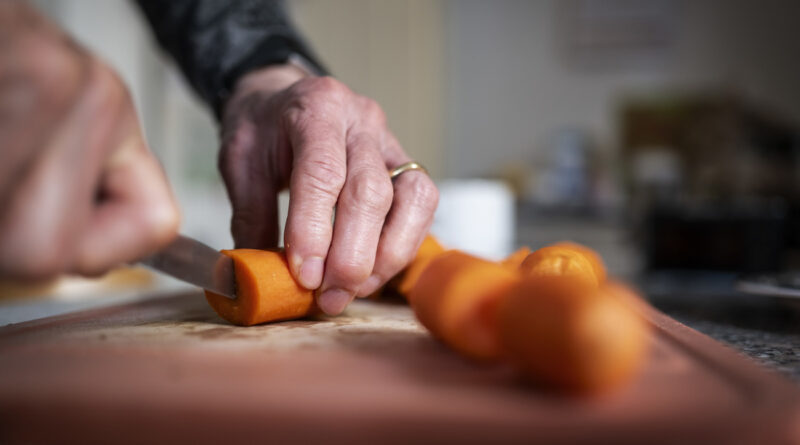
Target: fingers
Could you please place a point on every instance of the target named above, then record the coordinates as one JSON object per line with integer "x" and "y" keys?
{"x": 93, "y": 197}
{"x": 318, "y": 175}
{"x": 348, "y": 168}
{"x": 254, "y": 223}
{"x": 136, "y": 216}
{"x": 337, "y": 151}
{"x": 40, "y": 221}
{"x": 408, "y": 221}
{"x": 362, "y": 207}
{"x": 133, "y": 212}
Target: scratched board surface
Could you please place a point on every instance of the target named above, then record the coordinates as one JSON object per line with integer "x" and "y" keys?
{"x": 170, "y": 369}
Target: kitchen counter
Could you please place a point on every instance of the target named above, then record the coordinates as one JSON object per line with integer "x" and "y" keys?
{"x": 764, "y": 328}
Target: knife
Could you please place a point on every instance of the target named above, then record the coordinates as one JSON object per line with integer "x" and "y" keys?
{"x": 191, "y": 261}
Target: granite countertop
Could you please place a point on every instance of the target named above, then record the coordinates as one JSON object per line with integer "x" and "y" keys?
{"x": 764, "y": 328}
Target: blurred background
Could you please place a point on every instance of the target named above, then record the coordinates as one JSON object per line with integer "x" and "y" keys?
{"x": 663, "y": 133}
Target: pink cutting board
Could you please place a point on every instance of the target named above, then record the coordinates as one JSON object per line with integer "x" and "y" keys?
{"x": 169, "y": 370}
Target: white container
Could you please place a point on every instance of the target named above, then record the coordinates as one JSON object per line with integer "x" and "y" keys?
{"x": 476, "y": 216}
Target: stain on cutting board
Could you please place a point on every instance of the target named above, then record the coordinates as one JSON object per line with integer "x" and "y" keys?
{"x": 197, "y": 324}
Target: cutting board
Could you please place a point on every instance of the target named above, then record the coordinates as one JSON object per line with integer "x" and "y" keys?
{"x": 170, "y": 370}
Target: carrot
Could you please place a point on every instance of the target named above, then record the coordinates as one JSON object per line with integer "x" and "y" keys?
{"x": 572, "y": 335}
{"x": 569, "y": 260}
{"x": 598, "y": 265}
{"x": 266, "y": 290}
{"x": 514, "y": 261}
{"x": 456, "y": 298}
{"x": 429, "y": 249}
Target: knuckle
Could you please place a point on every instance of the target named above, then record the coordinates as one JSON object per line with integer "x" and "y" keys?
{"x": 373, "y": 112}
{"x": 425, "y": 192}
{"x": 319, "y": 94}
{"x": 45, "y": 68}
{"x": 350, "y": 273}
{"x": 49, "y": 53}
{"x": 162, "y": 223}
{"x": 107, "y": 88}
{"x": 298, "y": 115}
{"x": 371, "y": 191}
{"x": 322, "y": 174}
{"x": 160, "y": 218}
{"x": 310, "y": 117}
{"x": 393, "y": 259}
{"x": 329, "y": 86}
{"x": 293, "y": 113}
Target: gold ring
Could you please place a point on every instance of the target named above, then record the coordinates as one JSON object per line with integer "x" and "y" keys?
{"x": 408, "y": 166}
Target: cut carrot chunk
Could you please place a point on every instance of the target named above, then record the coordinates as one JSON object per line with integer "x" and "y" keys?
{"x": 456, "y": 298}
{"x": 429, "y": 249}
{"x": 266, "y": 290}
{"x": 598, "y": 265}
{"x": 572, "y": 335}
{"x": 564, "y": 260}
{"x": 514, "y": 261}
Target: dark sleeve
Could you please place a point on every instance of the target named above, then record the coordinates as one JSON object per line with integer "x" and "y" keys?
{"x": 217, "y": 41}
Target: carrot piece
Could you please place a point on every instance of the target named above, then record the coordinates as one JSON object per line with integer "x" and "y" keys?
{"x": 266, "y": 290}
{"x": 598, "y": 265}
{"x": 514, "y": 261}
{"x": 428, "y": 250}
{"x": 565, "y": 260}
{"x": 572, "y": 335}
{"x": 456, "y": 298}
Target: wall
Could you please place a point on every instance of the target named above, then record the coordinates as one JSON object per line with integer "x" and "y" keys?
{"x": 469, "y": 86}
{"x": 392, "y": 51}
{"x": 510, "y": 88}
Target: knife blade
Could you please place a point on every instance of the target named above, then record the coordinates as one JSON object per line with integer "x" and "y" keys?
{"x": 191, "y": 261}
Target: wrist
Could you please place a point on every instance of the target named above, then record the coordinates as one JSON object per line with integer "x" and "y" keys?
{"x": 265, "y": 82}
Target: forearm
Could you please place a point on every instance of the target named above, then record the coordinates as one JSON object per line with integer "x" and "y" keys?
{"x": 217, "y": 42}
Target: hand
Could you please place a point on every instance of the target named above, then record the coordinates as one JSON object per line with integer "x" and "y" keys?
{"x": 331, "y": 148}
{"x": 79, "y": 190}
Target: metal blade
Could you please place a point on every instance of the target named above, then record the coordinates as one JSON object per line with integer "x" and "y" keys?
{"x": 191, "y": 261}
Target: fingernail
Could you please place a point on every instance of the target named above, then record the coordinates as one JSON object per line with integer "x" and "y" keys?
{"x": 333, "y": 301}
{"x": 311, "y": 272}
{"x": 370, "y": 285}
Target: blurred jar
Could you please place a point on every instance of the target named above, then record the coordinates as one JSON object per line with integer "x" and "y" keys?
{"x": 476, "y": 216}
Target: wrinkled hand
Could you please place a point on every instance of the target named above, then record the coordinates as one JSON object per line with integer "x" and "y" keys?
{"x": 79, "y": 190}
{"x": 331, "y": 148}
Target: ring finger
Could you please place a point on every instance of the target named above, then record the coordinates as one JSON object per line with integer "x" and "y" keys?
{"x": 408, "y": 221}
{"x": 361, "y": 211}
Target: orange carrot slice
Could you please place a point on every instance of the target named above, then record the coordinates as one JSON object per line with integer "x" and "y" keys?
{"x": 429, "y": 249}
{"x": 564, "y": 260}
{"x": 456, "y": 298}
{"x": 572, "y": 335}
{"x": 598, "y": 265}
{"x": 514, "y": 261}
{"x": 266, "y": 290}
